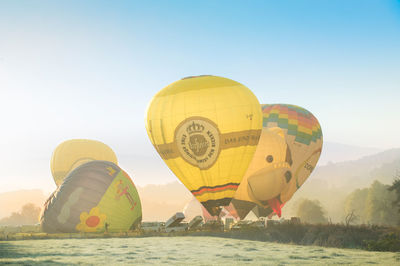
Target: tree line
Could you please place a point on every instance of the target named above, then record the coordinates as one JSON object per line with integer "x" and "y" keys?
{"x": 378, "y": 204}
{"x": 28, "y": 215}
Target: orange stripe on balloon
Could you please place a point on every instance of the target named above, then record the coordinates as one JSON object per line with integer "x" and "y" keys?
{"x": 217, "y": 189}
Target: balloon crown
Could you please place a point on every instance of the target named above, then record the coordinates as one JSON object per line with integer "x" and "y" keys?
{"x": 198, "y": 76}
{"x": 194, "y": 128}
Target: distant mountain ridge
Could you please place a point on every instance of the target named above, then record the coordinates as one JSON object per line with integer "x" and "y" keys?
{"x": 13, "y": 201}
{"x": 159, "y": 202}
{"x": 337, "y": 152}
{"x": 327, "y": 182}
{"x": 331, "y": 183}
{"x": 359, "y": 173}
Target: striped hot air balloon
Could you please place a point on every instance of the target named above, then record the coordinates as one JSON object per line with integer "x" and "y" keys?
{"x": 287, "y": 153}
{"x": 97, "y": 196}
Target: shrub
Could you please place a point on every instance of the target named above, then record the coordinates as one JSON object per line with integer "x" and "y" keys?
{"x": 390, "y": 242}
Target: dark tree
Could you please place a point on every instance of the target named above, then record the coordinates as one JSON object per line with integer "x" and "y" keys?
{"x": 396, "y": 188}
{"x": 311, "y": 211}
{"x": 28, "y": 215}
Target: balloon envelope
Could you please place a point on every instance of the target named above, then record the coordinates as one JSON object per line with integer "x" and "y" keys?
{"x": 94, "y": 197}
{"x": 195, "y": 208}
{"x": 192, "y": 209}
{"x": 72, "y": 153}
{"x": 288, "y": 151}
{"x": 206, "y": 129}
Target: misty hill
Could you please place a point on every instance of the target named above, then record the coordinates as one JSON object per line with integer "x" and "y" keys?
{"x": 360, "y": 173}
{"x": 28, "y": 215}
{"x": 336, "y": 152}
{"x": 160, "y": 202}
{"x": 14, "y": 200}
{"x": 330, "y": 184}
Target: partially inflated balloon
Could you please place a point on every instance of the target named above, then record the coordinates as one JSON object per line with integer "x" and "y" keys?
{"x": 72, "y": 153}
{"x": 195, "y": 208}
{"x": 229, "y": 212}
{"x": 287, "y": 153}
{"x": 206, "y": 129}
{"x": 95, "y": 197}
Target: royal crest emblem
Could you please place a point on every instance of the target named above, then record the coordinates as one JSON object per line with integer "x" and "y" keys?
{"x": 198, "y": 141}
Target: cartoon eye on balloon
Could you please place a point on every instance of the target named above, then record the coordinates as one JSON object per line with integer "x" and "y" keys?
{"x": 206, "y": 129}
{"x": 288, "y": 151}
{"x": 75, "y": 152}
{"x": 97, "y": 196}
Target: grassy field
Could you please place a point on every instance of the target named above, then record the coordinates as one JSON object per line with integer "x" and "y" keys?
{"x": 372, "y": 238}
{"x": 181, "y": 250}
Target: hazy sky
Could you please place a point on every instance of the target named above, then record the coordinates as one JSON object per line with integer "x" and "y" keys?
{"x": 87, "y": 69}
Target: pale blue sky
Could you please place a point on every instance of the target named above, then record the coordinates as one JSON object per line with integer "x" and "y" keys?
{"x": 87, "y": 69}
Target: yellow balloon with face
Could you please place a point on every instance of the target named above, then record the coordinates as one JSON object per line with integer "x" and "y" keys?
{"x": 269, "y": 174}
{"x": 287, "y": 153}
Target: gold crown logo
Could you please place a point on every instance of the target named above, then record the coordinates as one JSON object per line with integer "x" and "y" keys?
{"x": 194, "y": 128}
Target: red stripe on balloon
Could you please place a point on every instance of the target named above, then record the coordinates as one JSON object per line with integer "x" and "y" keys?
{"x": 216, "y": 189}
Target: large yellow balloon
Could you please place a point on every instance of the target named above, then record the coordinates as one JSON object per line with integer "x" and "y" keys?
{"x": 206, "y": 129}
{"x": 287, "y": 153}
{"x": 75, "y": 152}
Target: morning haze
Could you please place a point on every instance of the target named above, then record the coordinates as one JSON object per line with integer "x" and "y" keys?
{"x": 88, "y": 70}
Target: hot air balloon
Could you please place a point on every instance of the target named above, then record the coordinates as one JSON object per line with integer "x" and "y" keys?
{"x": 229, "y": 212}
{"x": 72, "y": 153}
{"x": 288, "y": 151}
{"x": 194, "y": 208}
{"x": 95, "y": 197}
{"x": 206, "y": 129}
